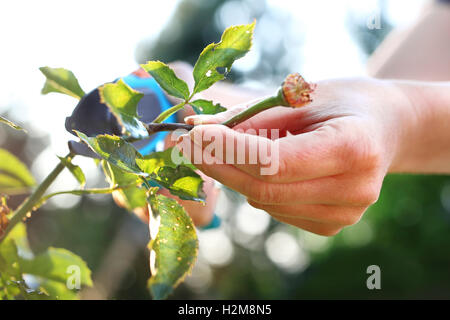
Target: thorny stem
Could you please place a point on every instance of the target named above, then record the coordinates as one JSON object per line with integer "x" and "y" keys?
{"x": 265, "y": 104}
{"x": 29, "y": 204}
{"x": 294, "y": 92}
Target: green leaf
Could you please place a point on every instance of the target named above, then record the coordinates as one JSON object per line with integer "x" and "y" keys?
{"x": 8, "y": 258}
{"x": 115, "y": 150}
{"x": 57, "y": 290}
{"x": 75, "y": 170}
{"x": 155, "y": 160}
{"x": 122, "y": 100}
{"x": 62, "y": 81}
{"x": 11, "y": 124}
{"x": 173, "y": 245}
{"x": 55, "y": 264}
{"x": 14, "y": 175}
{"x": 167, "y": 79}
{"x": 206, "y": 107}
{"x": 181, "y": 181}
{"x": 234, "y": 44}
{"x": 131, "y": 197}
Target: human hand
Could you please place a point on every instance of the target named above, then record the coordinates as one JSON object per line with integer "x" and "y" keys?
{"x": 332, "y": 154}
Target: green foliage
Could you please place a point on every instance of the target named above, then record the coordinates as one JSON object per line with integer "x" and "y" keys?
{"x": 50, "y": 268}
{"x": 123, "y": 101}
{"x": 167, "y": 79}
{"x": 173, "y": 245}
{"x": 75, "y": 170}
{"x": 165, "y": 159}
{"x": 181, "y": 181}
{"x": 54, "y": 264}
{"x": 14, "y": 175}
{"x": 11, "y": 124}
{"x": 201, "y": 106}
{"x": 234, "y": 44}
{"x": 62, "y": 81}
{"x": 131, "y": 197}
{"x": 115, "y": 150}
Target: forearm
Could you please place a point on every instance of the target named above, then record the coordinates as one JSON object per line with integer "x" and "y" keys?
{"x": 424, "y": 130}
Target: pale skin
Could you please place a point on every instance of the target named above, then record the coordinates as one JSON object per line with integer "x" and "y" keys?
{"x": 341, "y": 147}
{"x": 345, "y": 142}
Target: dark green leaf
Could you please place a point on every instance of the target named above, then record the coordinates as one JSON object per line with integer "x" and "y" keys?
{"x": 173, "y": 245}
{"x": 167, "y": 79}
{"x": 55, "y": 264}
{"x": 122, "y": 100}
{"x": 11, "y": 124}
{"x": 206, "y": 107}
{"x": 181, "y": 181}
{"x": 75, "y": 170}
{"x": 234, "y": 44}
{"x": 116, "y": 151}
{"x": 14, "y": 175}
{"x": 62, "y": 81}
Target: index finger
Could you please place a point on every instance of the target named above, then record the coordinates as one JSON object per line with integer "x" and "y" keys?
{"x": 305, "y": 156}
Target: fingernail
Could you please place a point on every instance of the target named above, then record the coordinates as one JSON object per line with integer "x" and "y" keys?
{"x": 191, "y": 119}
{"x": 181, "y": 137}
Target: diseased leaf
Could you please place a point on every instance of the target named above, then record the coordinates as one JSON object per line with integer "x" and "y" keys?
{"x": 173, "y": 245}
{"x": 11, "y": 124}
{"x": 57, "y": 264}
{"x": 14, "y": 175}
{"x": 122, "y": 100}
{"x": 116, "y": 151}
{"x": 181, "y": 181}
{"x": 206, "y": 107}
{"x": 234, "y": 44}
{"x": 167, "y": 79}
{"x": 62, "y": 81}
{"x": 75, "y": 170}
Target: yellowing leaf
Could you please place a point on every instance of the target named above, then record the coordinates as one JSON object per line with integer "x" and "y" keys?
{"x": 167, "y": 79}
{"x": 115, "y": 150}
{"x": 62, "y": 81}
{"x": 122, "y": 100}
{"x": 173, "y": 245}
{"x": 234, "y": 44}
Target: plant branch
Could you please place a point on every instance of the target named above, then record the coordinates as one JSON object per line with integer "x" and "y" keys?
{"x": 33, "y": 199}
{"x": 156, "y": 127}
{"x": 80, "y": 192}
{"x": 167, "y": 113}
{"x": 265, "y": 104}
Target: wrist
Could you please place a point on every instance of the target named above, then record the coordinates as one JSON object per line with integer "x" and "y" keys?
{"x": 424, "y": 141}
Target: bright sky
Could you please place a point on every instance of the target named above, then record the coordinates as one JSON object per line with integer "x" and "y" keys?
{"x": 97, "y": 41}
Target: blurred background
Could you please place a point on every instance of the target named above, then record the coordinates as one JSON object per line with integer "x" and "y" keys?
{"x": 407, "y": 233}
